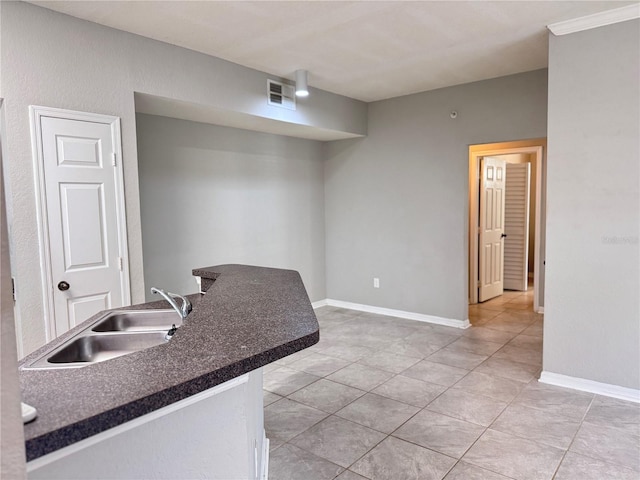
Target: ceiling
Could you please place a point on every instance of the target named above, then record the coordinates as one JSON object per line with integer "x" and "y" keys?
{"x": 368, "y": 50}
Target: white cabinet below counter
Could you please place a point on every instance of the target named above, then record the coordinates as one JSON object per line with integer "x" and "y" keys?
{"x": 215, "y": 434}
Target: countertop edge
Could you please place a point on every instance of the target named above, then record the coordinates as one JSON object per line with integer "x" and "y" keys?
{"x": 293, "y": 296}
{"x": 70, "y": 434}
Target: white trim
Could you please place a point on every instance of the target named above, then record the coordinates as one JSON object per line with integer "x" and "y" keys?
{"x": 17, "y": 320}
{"x": 123, "y": 243}
{"x": 606, "y": 389}
{"x": 540, "y": 310}
{"x": 35, "y": 116}
{"x": 538, "y": 261}
{"x": 420, "y": 317}
{"x": 596, "y": 20}
{"x": 136, "y": 422}
{"x": 46, "y": 280}
{"x": 319, "y": 303}
{"x": 264, "y": 471}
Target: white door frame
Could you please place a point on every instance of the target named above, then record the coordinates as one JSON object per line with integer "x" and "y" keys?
{"x": 35, "y": 115}
{"x": 537, "y": 147}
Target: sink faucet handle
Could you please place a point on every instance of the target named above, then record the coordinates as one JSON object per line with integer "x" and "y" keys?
{"x": 186, "y": 306}
{"x": 183, "y": 310}
{"x": 172, "y": 331}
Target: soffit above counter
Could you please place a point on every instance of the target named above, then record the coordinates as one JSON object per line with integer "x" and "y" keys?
{"x": 169, "y": 107}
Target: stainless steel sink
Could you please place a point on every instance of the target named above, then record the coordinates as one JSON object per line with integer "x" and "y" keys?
{"x": 114, "y": 334}
{"x": 97, "y": 348}
{"x": 137, "y": 321}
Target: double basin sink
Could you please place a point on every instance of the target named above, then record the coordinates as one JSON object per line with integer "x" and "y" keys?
{"x": 114, "y": 334}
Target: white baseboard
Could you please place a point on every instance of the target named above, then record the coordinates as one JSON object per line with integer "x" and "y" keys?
{"x": 605, "y": 389}
{"x": 540, "y": 310}
{"x": 420, "y": 317}
{"x": 319, "y": 303}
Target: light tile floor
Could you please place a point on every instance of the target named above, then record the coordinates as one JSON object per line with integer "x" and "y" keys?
{"x": 387, "y": 398}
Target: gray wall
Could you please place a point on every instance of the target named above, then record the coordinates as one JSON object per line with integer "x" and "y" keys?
{"x": 59, "y": 61}
{"x": 592, "y": 313}
{"x": 397, "y": 201}
{"x": 212, "y": 195}
{"x": 12, "y": 458}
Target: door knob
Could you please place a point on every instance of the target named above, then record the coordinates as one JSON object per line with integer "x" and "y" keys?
{"x": 504, "y": 235}
{"x": 63, "y": 286}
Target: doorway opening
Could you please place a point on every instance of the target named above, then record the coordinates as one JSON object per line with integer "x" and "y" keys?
{"x": 532, "y": 152}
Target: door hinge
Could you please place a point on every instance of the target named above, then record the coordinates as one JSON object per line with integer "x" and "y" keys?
{"x": 13, "y": 288}
{"x": 479, "y": 284}
{"x": 120, "y": 265}
{"x": 114, "y": 159}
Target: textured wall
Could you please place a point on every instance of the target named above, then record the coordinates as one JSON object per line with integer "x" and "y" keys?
{"x": 56, "y": 60}
{"x": 12, "y": 458}
{"x": 397, "y": 201}
{"x": 592, "y": 313}
{"x": 212, "y": 195}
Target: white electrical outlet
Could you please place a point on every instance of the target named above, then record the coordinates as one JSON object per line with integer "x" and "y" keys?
{"x": 376, "y": 282}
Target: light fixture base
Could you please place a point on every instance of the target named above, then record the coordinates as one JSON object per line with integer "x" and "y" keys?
{"x": 302, "y": 88}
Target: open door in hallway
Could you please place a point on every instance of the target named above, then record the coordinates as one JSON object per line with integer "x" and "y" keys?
{"x": 516, "y": 226}
{"x": 514, "y": 152}
{"x": 492, "y": 200}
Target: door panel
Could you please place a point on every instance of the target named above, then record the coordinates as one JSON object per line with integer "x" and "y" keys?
{"x": 81, "y": 190}
{"x": 83, "y": 229}
{"x": 516, "y": 244}
{"x": 492, "y": 198}
{"x": 487, "y": 259}
{"x": 77, "y": 152}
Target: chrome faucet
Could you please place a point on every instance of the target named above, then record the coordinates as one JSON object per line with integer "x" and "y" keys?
{"x": 183, "y": 310}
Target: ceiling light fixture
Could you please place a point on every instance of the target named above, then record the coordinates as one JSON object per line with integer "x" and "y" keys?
{"x": 302, "y": 89}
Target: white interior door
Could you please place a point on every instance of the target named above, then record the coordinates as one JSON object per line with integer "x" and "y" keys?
{"x": 516, "y": 226}
{"x": 84, "y": 218}
{"x": 492, "y": 199}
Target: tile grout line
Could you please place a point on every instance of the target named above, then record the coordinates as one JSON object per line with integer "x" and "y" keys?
{"x": 387, "y": 435}
{"x": 508, "y": 404}
{"x": 573, "y": 437}
{"x": 485, "y": 431}
{"x": 394, "y": 375}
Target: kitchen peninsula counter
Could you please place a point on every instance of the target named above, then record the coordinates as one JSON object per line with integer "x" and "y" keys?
{"x": 248, "y": 318}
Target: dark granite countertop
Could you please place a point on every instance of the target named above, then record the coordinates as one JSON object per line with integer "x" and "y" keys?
{"x": 249, "y": 317}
